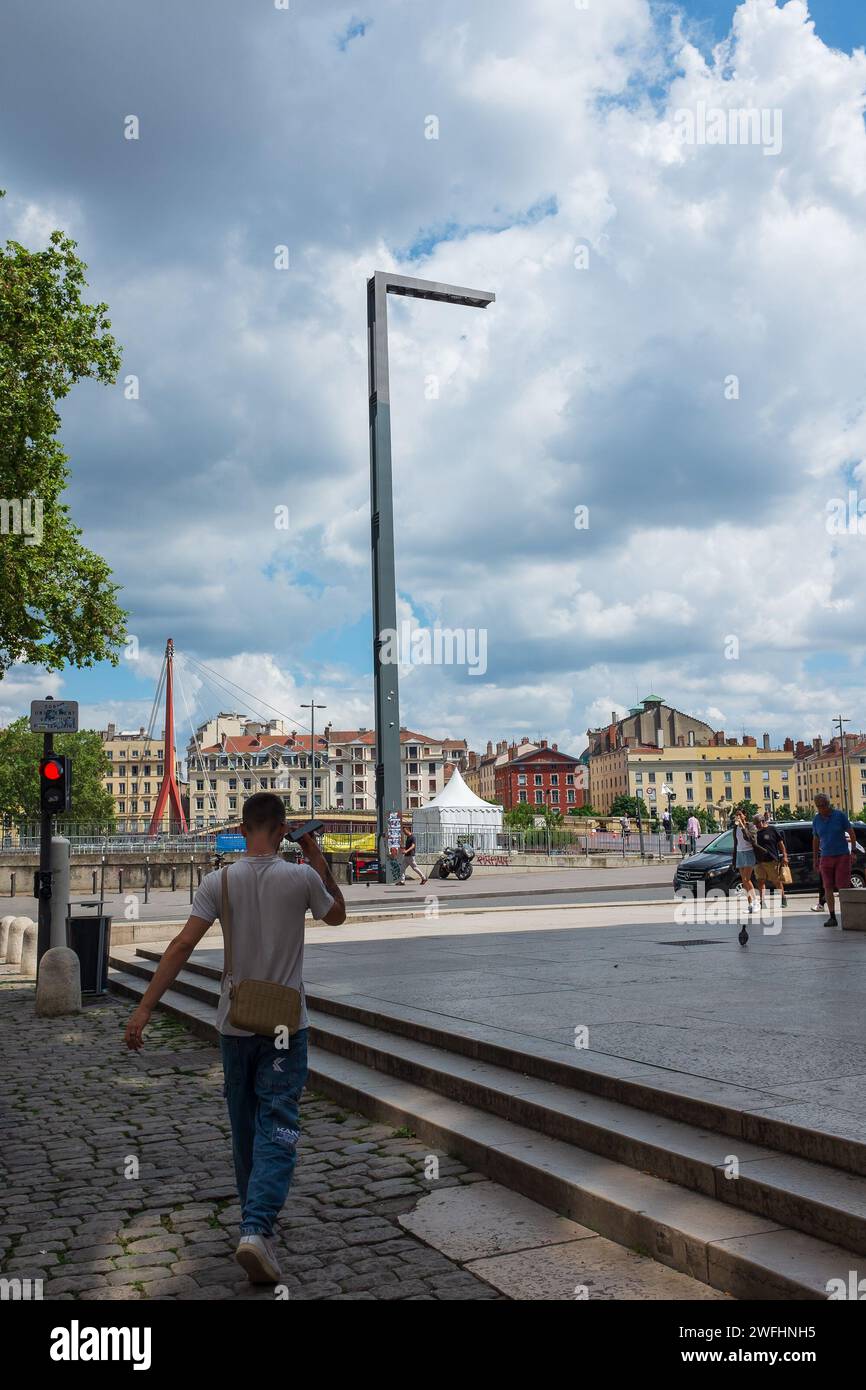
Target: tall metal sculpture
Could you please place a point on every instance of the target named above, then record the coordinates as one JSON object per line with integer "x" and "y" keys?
{"x": 168, "y": 790}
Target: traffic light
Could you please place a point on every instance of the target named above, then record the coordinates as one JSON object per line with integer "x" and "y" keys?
{"x": 55, "y": 784}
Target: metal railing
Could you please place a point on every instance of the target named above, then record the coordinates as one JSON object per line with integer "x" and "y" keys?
{"x": 552, "y": 841}
{"x": 89, "y": 839}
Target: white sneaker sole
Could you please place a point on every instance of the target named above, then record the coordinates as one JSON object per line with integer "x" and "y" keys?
{"x": 259, "y": 1269}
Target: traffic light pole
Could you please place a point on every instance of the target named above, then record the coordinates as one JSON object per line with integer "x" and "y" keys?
{"x": 43, "y": 935}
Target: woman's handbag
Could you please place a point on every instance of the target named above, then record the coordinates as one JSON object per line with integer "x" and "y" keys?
{"x": 256, "y": 1006}
{"x": 787, "y": 876}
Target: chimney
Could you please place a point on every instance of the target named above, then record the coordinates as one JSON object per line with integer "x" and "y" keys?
{"x": 613, "y": 716}
{"x": 818, "y": 744}
{"x": 555, "y": 748}
{"x": 749, "y": 742}
{"x": 110, "y": 731}
{"x": 788, "y": 745}
{"x": 719, "y": 738}
{"x": 490, "y": 748}
{"x": 766, "y": 742}
{"x": 543, "y": 743}
{"x": 731, "y": 742}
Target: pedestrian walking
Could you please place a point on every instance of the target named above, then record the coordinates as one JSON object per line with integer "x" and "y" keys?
{"x": 833, "y": 843}
{"x": 261, "y": 901}
{"x": 625, "y": 827}
{"x": 409, "y": 858}
{"x": 772, "y": 858}
{"x": 745, "y": 854}
{"x": 693, "y": 830}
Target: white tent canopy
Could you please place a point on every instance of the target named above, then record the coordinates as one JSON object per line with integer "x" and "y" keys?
{"x": 456, "y": 813}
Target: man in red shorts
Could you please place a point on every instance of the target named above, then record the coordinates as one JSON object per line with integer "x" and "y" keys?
{"x": 833, "y": 842}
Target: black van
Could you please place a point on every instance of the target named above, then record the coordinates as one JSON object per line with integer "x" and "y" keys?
{"x": 712, "y": 865}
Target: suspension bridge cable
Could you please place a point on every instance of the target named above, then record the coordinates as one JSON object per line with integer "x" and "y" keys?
{"x": 264, "y": 704}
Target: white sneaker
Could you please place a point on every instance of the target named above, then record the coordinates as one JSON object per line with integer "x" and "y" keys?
{"x": 257, "y": 1255}
{"x": 818, "y": 907}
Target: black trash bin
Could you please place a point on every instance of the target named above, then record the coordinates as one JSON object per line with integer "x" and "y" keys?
{"x": 90, "y": 939}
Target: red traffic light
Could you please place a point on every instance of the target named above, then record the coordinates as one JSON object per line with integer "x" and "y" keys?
{"x": 53, "y": 771}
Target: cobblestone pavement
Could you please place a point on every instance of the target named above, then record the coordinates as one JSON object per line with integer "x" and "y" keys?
{"x": 118, "y": 1180}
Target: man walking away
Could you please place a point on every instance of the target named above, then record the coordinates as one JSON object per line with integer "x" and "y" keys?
{"x": 409, "y": 858}
{"x": 832, "y": 834}
{"x": 264, "y": 1073}
{"x": 772, "y": 856}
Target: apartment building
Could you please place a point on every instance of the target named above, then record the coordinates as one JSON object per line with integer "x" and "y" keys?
{"x": 540, "y": 776}
{"x": 426, "y": 766}
{"x": 136, "y": 769}
{"x": 834, "y": 769}
{"x": 712, "y": 776}
{"x": 480, "y": 774}
{"x": 222, "y": 775}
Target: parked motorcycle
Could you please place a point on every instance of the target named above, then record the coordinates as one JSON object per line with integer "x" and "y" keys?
{"x": 456, "y": 860}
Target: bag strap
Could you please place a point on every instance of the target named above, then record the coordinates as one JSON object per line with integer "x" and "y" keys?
{"x": 226, "y": 921}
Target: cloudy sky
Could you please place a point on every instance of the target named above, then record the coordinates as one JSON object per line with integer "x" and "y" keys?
{"x": 677, "y": 345}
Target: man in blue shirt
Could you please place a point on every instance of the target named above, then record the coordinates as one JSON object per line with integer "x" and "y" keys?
{"x": 831, "y": 856}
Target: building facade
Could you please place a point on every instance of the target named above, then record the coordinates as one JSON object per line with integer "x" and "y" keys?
{"x": 223, "y": 775}
{"x": 651, "y": 723}
{"x": 259, "y": 757}
{"x": 540, "y": 776}
{"x": 136, "y": 769}
{"x": 709, "y": 777}
{"x": 480, "y": 774}
{"x": 821, "y": 769}
{"x": 426, "y": 765}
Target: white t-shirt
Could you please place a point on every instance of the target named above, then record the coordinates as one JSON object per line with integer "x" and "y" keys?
{"x": 269, "y": 899}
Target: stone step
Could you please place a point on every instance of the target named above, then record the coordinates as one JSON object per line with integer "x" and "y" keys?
{"x": 531, "y": 1057}
{"x": 751, "y": 1254}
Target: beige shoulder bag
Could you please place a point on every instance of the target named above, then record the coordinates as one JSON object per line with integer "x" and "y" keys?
{"x": 256, "y": 1006}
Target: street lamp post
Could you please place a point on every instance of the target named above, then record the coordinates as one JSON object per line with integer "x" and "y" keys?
{"x": 312, "y": 707}
{"x": 389, "y": 791}
{"x": 840, "y": 721}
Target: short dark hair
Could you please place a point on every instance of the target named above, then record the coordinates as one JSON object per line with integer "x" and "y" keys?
{"x": 264, "y": 811}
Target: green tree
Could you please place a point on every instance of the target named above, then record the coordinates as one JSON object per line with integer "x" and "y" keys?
{"x": 784, "y": 812}
{"x": 582, "y": 811}
{"x": 57, "y": 601}
{"x": 20, "y": 752}
{"x": 522, "y": 816}
{"x": 628, "y": 806}
{"x": 748, "y": 808}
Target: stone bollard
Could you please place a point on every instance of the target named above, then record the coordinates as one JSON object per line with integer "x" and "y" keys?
{"x": 5, "y": 924}
{"x": 28, "y": 950}
{"x": 16, "y": 939}
{"x": 58, "y": 989}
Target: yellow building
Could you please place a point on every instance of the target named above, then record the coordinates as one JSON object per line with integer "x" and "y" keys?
{"x": 710, "y": 776}
{"x": 137, "y": 764}
{"x": 822, "y": 771}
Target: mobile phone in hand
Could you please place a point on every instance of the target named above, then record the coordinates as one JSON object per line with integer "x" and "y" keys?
{"x": 312, "y": 827}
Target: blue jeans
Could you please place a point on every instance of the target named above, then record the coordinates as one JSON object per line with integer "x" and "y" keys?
{"x": 263, "y": 1085}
